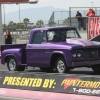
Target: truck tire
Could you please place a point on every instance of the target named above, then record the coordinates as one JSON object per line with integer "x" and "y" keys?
{"x": 49, "y": 69}
{"x": 96, "y": 69}
{"x": 61, "y": 66}
{"x": 13, "y": 66}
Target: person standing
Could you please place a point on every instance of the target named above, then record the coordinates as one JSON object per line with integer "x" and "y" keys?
{"x": 79, "y": 17}
{"x": 8, "y": 37}
{"x": 90, "y": 13}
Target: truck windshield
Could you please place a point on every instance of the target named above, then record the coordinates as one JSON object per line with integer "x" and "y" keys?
{"x": 61, "y": 35}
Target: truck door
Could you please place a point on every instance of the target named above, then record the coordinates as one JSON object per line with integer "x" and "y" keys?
{"x": 35, "y": 51}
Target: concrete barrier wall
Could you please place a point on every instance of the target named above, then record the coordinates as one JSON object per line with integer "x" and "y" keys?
{"x": 50, "y": 82}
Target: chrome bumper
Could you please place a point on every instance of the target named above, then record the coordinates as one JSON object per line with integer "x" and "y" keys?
{"x": 85, "y": 63}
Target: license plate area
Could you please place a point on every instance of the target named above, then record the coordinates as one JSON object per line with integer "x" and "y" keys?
{"x": 93, "y": 62}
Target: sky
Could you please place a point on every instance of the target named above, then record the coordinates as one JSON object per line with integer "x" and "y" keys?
{"x": 64, "y": 4}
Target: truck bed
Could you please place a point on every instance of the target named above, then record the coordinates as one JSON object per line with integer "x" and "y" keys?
{"x": 12, "y": 46}
{"x": 15, "y": 46}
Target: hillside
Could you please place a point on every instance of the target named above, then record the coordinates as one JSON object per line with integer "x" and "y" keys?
{"x": 34, "y": 14}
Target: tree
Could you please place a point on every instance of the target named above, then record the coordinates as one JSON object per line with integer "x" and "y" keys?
{"x": 39, "y": 23}
{"x": 65, "y": 22}
{"x": 51, "y": 23}
{"x": 3, "y": 26}
{"x": 11, "y": 23}
{"x": 19, "y": 26}
{"x": 26, "y": 20}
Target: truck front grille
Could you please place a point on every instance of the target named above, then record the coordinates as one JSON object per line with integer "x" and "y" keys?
{"x": 90, "y": 53}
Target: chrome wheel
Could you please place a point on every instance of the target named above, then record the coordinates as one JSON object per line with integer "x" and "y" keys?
{"x": 12, "y": 64}
{"x": 60, "y": 66}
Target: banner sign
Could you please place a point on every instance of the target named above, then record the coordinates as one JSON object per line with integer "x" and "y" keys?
{"x": 19, "y": 1}
{"x": 93, "y": 27}
{"x": 14, "y": 0}
{"x": 51, "y": 83}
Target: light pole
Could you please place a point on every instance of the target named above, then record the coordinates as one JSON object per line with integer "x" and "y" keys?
{"x": 4, "y": 15}
{"x": 92, "y": 4}
{"x": 19, "y": 14}
{"x": 61, "y": 15}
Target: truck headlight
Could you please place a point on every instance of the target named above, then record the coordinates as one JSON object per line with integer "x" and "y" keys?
{"x": 79, "y": 54}
{"x": 74, "y": 55}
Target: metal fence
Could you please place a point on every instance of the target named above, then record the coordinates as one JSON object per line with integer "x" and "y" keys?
{"x": 17, "y": 39}
{"x": 63, "y": 18}
{"x": 19, "y": 36}
{"x": 59, "y": 18}
{"x": 22, "y": 36}
{"x": 83, "y": 11}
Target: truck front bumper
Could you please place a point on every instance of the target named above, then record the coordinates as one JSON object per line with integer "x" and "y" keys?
{"x": 85, "y": 63}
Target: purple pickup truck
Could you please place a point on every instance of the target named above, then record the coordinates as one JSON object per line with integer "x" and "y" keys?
{"x": 59, "y": 48}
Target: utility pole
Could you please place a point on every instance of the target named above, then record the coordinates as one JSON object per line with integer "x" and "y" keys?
{"x": 92, "y": 4}
{"x": 19, "y": 14}
{"x": 4, "y": 15}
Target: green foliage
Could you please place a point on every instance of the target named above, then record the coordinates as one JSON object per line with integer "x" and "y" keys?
{"x": 26, "y": 20}
{"x": 3, "y": 26}
{"x": 51, "y": 23}
{"x": 39, "y": 23}
{"x": 11, "y": 23}
{"x": 19, "y": 26}
{"x": 65, "y": 22}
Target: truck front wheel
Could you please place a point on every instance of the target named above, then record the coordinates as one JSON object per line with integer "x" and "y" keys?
{"x": 13, "y": 66}
{"x": 61, "y": 66}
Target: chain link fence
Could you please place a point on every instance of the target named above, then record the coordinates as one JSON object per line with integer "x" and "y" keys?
{"x": 20, "y": 36}
{"x": 67, "y": 18}
{"x": 83, "y": 11}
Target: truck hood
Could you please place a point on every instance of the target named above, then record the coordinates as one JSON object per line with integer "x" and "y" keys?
{"x": 73, "y": 43}
{"x": 82, "y": 42}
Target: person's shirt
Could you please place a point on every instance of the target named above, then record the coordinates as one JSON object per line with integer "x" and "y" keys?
{"x": 90, "y": 13}
{"x": 8, "y": 39}
{"x": 79, "y": 16}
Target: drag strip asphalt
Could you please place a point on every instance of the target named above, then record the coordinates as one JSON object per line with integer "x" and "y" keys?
{"x": 83, "y": 70}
